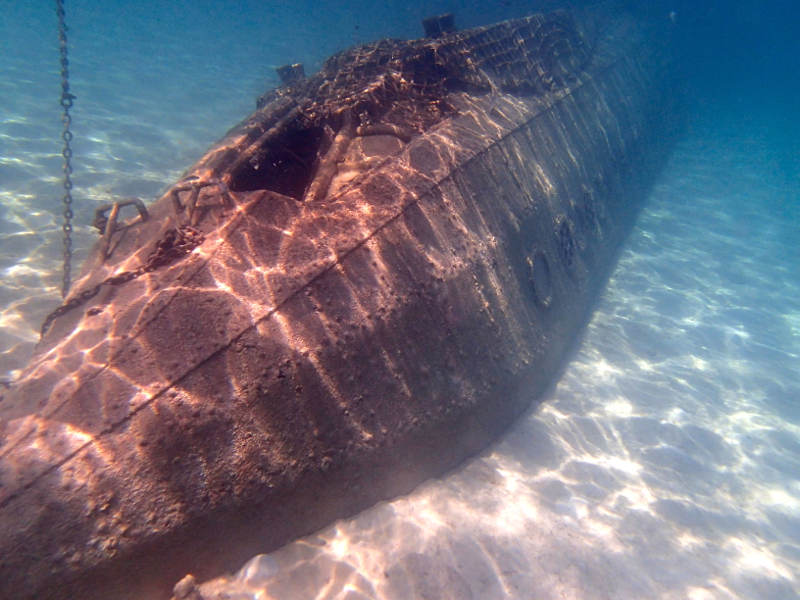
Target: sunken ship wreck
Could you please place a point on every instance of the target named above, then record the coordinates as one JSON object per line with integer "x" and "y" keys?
{"x": 359, "y": 286}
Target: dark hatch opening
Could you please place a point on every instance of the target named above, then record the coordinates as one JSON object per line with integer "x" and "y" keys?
{"x": 286, "y": 165}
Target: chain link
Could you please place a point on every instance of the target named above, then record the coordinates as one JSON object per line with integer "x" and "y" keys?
{"x": 66, "y": 103}
{"x": 175, "y": 244}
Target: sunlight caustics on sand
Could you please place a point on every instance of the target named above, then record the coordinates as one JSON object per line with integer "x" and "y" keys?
{"x": 664, "y": 464}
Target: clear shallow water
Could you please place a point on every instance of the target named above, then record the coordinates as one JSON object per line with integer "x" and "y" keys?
{"x": 665, "y": 463}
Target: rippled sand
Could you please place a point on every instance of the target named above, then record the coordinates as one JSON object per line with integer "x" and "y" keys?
{"x": 665, "y": 463}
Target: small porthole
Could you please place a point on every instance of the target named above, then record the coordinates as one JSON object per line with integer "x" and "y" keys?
{"x": 565, "y": 241}
{"x": 539, "y": 276}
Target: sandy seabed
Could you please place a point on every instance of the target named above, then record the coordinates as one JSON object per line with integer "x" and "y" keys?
{"x": 665, "y": 463}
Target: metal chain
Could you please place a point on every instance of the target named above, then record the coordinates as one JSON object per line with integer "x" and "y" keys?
{"x": 176, "y": 244}
{"x": 66, "y": 103}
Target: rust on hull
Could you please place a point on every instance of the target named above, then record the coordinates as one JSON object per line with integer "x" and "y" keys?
{"x": 318, "y": 345}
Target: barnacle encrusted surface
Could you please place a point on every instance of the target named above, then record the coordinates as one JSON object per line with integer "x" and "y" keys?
{"x": 406, "y": 82}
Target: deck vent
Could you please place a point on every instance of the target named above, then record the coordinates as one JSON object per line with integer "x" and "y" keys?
{"x": 436, "y": 27}
{"x": 291, "y": 72}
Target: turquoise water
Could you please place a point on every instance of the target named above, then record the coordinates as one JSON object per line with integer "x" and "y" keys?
{"x": 665, "y": 463}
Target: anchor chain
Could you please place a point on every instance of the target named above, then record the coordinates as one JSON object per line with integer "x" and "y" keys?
{"x": 175, "y": 244}
{"x": 66, "y": 103}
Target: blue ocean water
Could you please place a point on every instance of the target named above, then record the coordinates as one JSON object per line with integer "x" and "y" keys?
{"x": 666, "y": 461}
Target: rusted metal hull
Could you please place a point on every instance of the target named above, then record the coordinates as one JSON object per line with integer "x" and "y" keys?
{"x": 309, "y": 359}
